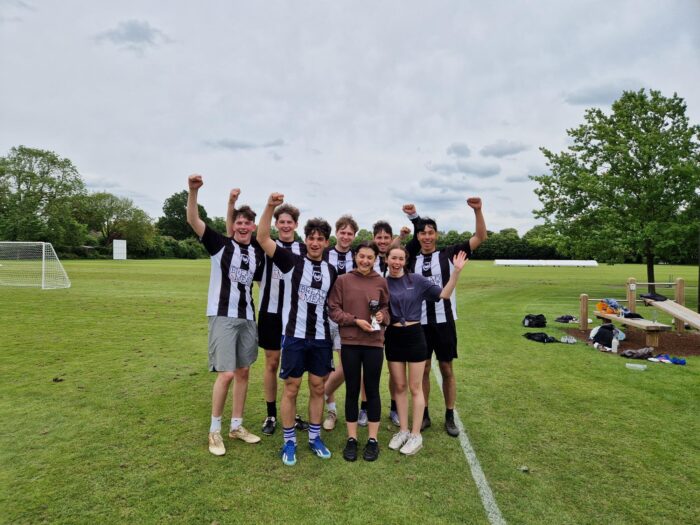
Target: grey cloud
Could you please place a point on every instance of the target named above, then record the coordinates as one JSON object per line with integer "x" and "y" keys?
{"x": 602, "y": 94}
{"x": 444, "y": 184}
{"x": 518, "y": 178}
{"x": 467, "y": 168}
{"x": 435, "y": 201}
{"x": 458, "y": 149}
{"x": 236, "y": 145}
{"x": 136, "y": 35}
{"x": 503, "y": 148}
{"x": 275, "y": 156}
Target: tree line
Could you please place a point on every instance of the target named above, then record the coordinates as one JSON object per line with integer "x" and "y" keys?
{"x": 44, "y": 198}
{"x": 627, "y": 189}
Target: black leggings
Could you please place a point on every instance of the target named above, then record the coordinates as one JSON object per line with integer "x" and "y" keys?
{"x": 358, "y": 360}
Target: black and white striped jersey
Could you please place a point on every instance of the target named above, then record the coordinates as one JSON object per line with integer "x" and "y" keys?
{"x": 305, "y": 305}
{"x": 341, "y": 261}
{"x": 437, "y": 267}
{"x": 234, "y": 267}
{"x": 271, "y": 284}
{"x": 381, "y": 266}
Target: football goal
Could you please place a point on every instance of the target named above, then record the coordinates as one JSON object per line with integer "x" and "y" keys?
{"x": 31, "y": 264}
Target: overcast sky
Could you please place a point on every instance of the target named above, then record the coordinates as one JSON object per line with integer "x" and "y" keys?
{"x": 344, "y": 106}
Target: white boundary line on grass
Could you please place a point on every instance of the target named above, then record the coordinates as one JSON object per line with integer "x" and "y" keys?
{"x": 488, "y": 501}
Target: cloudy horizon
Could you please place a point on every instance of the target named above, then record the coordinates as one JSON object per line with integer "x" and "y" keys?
{"x": 345, "y": 107}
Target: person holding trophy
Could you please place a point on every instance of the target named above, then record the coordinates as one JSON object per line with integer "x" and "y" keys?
{"x": 359, "y": 303}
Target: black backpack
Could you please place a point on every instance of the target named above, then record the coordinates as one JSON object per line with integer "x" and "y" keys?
{"x": 535, "y": 321}
{"x": 540, "y": 337}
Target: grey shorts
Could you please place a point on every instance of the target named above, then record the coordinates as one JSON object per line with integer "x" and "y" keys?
{"x": 233, "y": 343}
{"x": 335, "y": 335}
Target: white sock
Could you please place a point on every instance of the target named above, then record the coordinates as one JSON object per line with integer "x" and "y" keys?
{"x": 331, "y": 406}
{"x": 236, "y": 422}
{"x": 215, "y": 424}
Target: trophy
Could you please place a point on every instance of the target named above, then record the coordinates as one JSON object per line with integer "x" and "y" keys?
{"x": 373, "y": 309}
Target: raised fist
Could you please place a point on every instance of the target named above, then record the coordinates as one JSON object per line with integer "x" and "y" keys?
{"x": 275, "y": 199}
{"x": 404, "y": 232}
{"x": 474, "y": 203}
{"x": 233, "y": 195}
{"x": 409, "y": 209}
{"x": 195, "y": 181}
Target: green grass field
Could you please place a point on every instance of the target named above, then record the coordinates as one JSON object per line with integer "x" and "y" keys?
{"x": 105, "y": 402}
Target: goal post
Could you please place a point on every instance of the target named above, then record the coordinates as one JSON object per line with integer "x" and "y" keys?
{"x": 31, "y": 264}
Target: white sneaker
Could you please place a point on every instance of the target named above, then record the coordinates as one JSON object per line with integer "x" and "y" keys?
{"x": 413, "y": 445}
{"x": 329, "y": 422}
{"x": 362, "y": 419}
{"x": 216, "y": 444}
{"x": 399, "y": 439}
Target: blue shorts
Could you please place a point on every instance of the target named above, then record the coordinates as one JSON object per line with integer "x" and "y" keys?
{"x": 314, "y": 356}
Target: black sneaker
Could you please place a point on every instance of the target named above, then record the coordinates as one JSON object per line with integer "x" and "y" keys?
{"x": 426, "y": 423}
{"x": 350, "y": 450}
{"x": 451, "y": 427}
{"x": 300, "y": 424}
{"x": 269, "y": 426}
{"x": 371, "y": 452}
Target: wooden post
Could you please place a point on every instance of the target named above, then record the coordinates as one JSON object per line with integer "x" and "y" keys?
{"x": 583, "y": 312}
{"x": 680, "y": 299}
{"x": 653, "y": 339}
{"x": 632, "y": 294}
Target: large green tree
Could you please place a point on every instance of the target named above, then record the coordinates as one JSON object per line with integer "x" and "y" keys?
{"x": 624, "y": 187}
{"x": 114, "y": 217}
{"x": 37, "y": 188}
{"x": 174, "y": 219}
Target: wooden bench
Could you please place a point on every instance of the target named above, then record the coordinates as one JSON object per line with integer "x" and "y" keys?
{"x": 651, "y": 328}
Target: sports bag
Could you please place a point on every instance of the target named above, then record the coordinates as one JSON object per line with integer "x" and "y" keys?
{"x": 535, "y": 321}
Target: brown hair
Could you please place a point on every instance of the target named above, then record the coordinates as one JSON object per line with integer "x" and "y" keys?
{"x": 290, "y": 210}
{"x": 346, "y": 220}
{"x": 380, "y": 226}
{"x": 319, "y": 226}
{"x": 244, "y": 211}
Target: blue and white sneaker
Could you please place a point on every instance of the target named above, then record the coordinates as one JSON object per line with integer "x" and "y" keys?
{"x": 362, "y": 418}
{"x": 319, "y": 448}
{"x": 289, "y": 453}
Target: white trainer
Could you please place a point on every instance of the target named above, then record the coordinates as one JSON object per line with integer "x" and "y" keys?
{"x": 399, "y": 439}
{"x": 413, "y": 445}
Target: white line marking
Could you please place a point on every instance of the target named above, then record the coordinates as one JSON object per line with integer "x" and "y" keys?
{"x": 489, "y": 502}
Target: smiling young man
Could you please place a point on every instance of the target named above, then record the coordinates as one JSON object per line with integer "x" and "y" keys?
{"x": 270, "y": 315}
{"x": 438, "y": 319}
{"x": 340, "y": 257}
{"x": 233, "y": 344}
{"x": 306, "y": 342}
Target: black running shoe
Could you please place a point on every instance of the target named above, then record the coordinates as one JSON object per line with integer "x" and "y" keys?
{"x": 426, "y": 423}
{"x": 451, "y": 427}
{"x": 350, "y": 450}
{"x": 371, "y": 452}
{"x": 269, "y": 426}
{"x": 300, "y": 424}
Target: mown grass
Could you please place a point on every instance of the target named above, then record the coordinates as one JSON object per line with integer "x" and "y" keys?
{"x": 121, "y": 435}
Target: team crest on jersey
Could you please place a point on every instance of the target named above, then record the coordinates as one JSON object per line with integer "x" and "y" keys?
{"x": 426, "y": 264}
{"x": 317, "y": 275}
{"x": 341, "y": 265}
{"x": 244, "y": 258}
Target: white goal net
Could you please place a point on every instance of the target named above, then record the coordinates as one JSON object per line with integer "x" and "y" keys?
{"x": 31, "y": 264}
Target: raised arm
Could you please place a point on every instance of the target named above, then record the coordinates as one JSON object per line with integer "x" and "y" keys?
{"x": 232, "y": 198}
{"x": 480, "y": 234}
{"x": 413, "y": 246}
{"x": 264, "y": 239}
{"x": 459, "y": 261}
{"x": 194, "y": 182}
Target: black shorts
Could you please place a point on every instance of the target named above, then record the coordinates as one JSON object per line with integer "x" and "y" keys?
{"x": 269, "y": 331}
{"x": 441, "y": 338}
{"x": 405, "y": 344}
